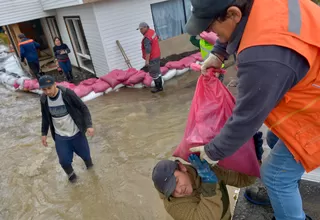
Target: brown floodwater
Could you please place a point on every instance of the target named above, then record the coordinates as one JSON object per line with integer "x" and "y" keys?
{"x": 134, "y": 129}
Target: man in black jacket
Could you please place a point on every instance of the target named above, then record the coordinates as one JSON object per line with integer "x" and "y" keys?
{"x": 69, "y": 120}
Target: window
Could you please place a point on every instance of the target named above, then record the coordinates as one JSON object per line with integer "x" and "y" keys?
{"x": 170, "y": 17}
{"x": 79, "y": 43}
{"x": 53, "y": 27}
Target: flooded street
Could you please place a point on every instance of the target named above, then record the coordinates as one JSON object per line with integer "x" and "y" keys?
{"x": 134, "y": 129}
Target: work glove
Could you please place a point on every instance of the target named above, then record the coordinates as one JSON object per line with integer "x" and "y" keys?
{"x": 211, "y": 61}
{"x": 203, "y": 155}
{"x": 258, "y": 142}
{"x": 203, "y": 169}
{"x": 210, "y": 37}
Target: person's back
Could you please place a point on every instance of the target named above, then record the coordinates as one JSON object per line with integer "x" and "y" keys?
{"x": 28, "y": 49}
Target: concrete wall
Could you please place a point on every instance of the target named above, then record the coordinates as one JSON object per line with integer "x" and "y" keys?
{"x": 176, "y": 45}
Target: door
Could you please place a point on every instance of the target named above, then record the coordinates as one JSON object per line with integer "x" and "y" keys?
{"x": 79, "y": 43}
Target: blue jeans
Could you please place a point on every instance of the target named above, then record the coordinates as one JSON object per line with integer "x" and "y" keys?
{"x": 281, "y": 173}
{"x": 66, "y": 146}
{"x": 66, "y": 68}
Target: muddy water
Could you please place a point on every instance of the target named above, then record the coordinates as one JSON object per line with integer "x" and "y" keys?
{"x": 134, "y": 129}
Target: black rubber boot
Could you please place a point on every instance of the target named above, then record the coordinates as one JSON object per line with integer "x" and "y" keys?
{"x": 71, "y": 174}
{"x": 257, "y": 195}
{"x": 158, "y": 85}
{"x": 88, "y": 163}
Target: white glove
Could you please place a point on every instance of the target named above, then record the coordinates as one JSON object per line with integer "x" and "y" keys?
{"x": 203, "y": 155}
{"x": 211, "y": 61}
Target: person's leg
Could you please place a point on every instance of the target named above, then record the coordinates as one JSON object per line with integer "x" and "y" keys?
{"x": 272, "y": 139}
{"x": 155, "y": 73}
{"x": 69, "y": 67}
{"x": 34, "y": 67}
{"x": 81, "y": 148}
{"x": 64, "y": 150}
{"x": 65, "y": 69}
{"x": 281, "y": 173}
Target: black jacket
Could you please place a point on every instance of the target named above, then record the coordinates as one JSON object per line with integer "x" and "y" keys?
{"x": 78, "y": 111}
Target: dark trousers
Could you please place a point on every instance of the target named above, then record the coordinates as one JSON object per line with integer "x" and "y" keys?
{"x": 66, "y": 146}
{"x": 154, "y": 68}
{"x": 35, "y": 68}
{"x": 66, "y": 68}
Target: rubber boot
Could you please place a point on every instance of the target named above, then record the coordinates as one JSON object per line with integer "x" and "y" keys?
{"x": 88, "y": 163}
{"x": 158, "y": 85}
{"x": 71, "y": 174}
{"x": 71, "y": 76}
{"x": 257, "y": 195}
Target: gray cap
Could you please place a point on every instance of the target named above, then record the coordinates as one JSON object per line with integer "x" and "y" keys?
{"x": 46, "y": 81}
{"x": 204, "y": 12}
{"x": 21, "y": 36}
{"x": 163, "y": 177}
{"x": 142, "y": 25}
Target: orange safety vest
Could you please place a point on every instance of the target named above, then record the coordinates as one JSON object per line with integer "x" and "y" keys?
{"x": 155, "y": 48}
{"x": 292, "y": 24}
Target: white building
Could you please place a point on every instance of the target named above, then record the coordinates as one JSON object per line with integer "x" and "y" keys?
{"x": 91, "y": 27}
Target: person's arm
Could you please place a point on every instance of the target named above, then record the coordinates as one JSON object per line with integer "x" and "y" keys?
{"x": 81, "y": 106}
{"x": 36, "y": 44}
{"x": 265, "y": 74}
{"x": 67, "y": 49}
{"x": 232, "y": 178}
{"x": 147, "y": 47}
{"x": 209, "y": 207}
{"x": 45, "y": 122}
{"x": 220, "y": 50}
{"x": 195, "y": 41}
{"x": 22, "y": 53}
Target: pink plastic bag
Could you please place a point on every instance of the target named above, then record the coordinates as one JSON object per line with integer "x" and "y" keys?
{"x": 211, "y": 107}
{"x": 67, "y": 85}
{"x": 100, "y": 86}
{"x": 136, "y": 78}
{"x": 210, "y": 37}
{"x": 31, "y": 84}
{"x": 197, "y": 56}
{"x": 164, "y": 70}
{"x": 147, "y": 80}
{"x": 88, "y": 82}
{"x": 83, "y": 90}
{"x": 111, "y": 78}
{"x": 125, "y": 75}
{"x": 175, "y": 65}
{"x": 187, "y": 61}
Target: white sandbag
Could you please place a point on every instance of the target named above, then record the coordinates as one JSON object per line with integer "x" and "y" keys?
{"x": 37, "y": 91}
{"x": 118, "y": 86}
{"x": 11, "y": 80}
{"x": 169, "y": 75}
{"x": 137, "y": 86}
{"x": 180, "y": 72}
{"x": 21, "y": 80}
{"x": 108, "y": 91}
{"x": 92, "y": 95}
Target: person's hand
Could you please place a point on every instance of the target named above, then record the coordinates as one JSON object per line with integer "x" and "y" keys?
{"x": 44, "y": 141}
{"x": 211, "y": 61}
{"x": 62, "y": 52}
{"x": 258, "y": 142}
{"x": 90, "y": 132}
{"x": 203, "y": 155}
{"x": 203, "y": 169}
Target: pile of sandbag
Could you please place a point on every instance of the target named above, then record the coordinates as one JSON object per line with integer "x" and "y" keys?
{"x": 116, "y": 79}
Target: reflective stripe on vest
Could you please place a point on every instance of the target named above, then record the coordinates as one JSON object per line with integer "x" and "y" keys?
{"x": 294, "y": 25}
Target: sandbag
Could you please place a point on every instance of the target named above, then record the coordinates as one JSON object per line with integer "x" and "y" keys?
{"x": 31, "y": 84}
{"x": 175, "y": 65}
{"x": 170, "y": 74}
{"x": 100, "y": 86}
{"x": 148, "y": 81}
{"x": 111, "y": 78}
{"x": 211, "y": 107}
{"x": 83, "y": 90}
{"x": 180, "y": 72}
{"x": 126, "y": 74}
{"x": 164, "y": 70}
{"x": 136, "y": 78}
{"x": 187, "y": 61}
{"x": 137, "y": 86}
{"x": 118, "y": 86}
{"x": 108, "y": 90}
{"x": 89, "y": 82}
{"x": 21, "y": 80}
{"x": 67, "y": 85}
{"x": 197, "y": 56}
{"x": 92, "y": 95}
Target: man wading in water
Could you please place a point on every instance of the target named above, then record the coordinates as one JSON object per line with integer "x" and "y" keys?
{"x": 69, "y": 119}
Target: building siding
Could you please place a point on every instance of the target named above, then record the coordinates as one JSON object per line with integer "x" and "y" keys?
{"x": 118, "y": 20}
{"x": 90, "y": 27}
{"x": 15, "y": 11}
{"x": 55, "y": 4}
